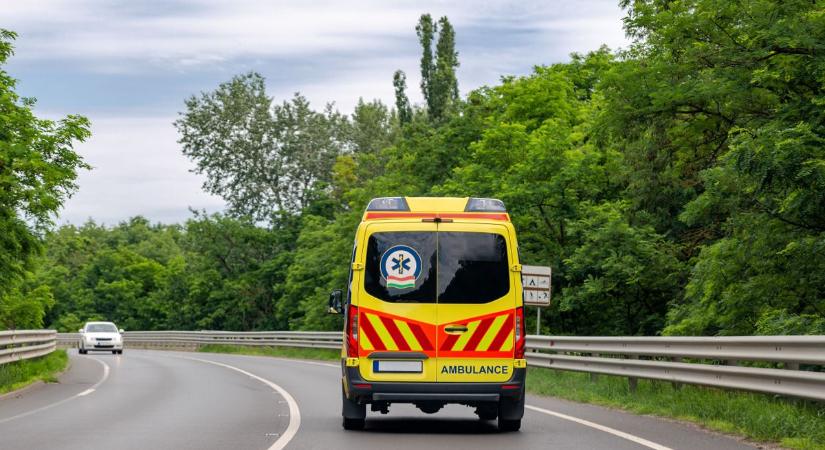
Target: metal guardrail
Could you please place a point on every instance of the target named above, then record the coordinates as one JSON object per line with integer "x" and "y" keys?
{"x": 26, "y": 344}
{"x": 713, "y": 360}
{"x": 150, "y": 339}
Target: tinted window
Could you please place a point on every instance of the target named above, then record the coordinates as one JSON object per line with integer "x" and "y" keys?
{"x": 400, "y": 266}
{"x": 472, "y": 267}
{"x": 101, "y": 328}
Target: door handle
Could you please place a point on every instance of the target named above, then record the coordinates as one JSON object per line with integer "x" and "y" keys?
{"x": 455, "y": 328}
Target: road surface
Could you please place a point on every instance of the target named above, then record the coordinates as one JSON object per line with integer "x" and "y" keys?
{"x": 174, "y": 400}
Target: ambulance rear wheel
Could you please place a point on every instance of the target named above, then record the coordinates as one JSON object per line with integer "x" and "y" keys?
{"x": 487, "y": 412}
{"x": 508, "y": 425}
{"x": 354, "y": 413}
{"x": 353, "y": 424}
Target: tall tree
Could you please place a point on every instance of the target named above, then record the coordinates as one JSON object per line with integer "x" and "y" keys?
{"x": 262, "y": 159}
{"x": 38, "y": 167}
{"x": 402, "y": 102}
{"x": 444, "y": 81}
{"x": 426, "y": 30}
{"x": 439, "y": 84}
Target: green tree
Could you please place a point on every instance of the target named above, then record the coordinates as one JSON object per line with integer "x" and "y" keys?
{"x": 721, "y": 103}
{"x": 444, "y": 82}
{"x": 261, "y": 158}
{"x": 402, "y": 103}
{"x": 426, "y": 30}
{"x": 38, "y": 167}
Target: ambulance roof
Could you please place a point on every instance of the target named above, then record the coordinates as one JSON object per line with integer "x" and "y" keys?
{"x": 436, "y": 209}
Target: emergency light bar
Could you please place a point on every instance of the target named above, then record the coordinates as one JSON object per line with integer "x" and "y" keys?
{"x": 485, "y": 205}
{"x": 388, "y": 204}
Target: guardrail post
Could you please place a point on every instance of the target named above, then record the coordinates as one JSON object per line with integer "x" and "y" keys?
{"x": 594, "y": 377}
{"x": 792, "y": 365}
{"x": 632, "y": 382}
{"x": 676, "y": 385}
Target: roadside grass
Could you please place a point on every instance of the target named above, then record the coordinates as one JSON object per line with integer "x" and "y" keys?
{"x": 791, "y": 423}
{"x": 19, "y": 374}
{"x": 324, "y": 354}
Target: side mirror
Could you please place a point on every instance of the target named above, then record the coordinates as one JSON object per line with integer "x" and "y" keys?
{"x": 80, "y": 330}
{"x": 120, "y": 331}
{"x": 335, "y": 305}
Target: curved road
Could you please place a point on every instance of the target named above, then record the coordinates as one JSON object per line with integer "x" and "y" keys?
{"x": 171, "y": 400}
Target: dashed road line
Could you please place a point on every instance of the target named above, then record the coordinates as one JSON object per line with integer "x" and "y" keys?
{"x": 58, "y": 403}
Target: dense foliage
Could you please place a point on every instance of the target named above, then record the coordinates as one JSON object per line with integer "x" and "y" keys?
{"x": 38, "y": 167}
{"x": 675, "y": 187}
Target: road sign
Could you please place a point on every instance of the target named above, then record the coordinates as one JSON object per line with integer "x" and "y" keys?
{"x": 536, "y": 281}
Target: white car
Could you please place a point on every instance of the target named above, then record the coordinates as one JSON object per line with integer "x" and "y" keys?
{"x": 100, "y": 336}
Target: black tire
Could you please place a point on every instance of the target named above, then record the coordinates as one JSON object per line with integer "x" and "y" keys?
{"x": 487, "y": 413}
{"x": 353, "y": 413}
{"x": 114, "y": 352}
{"x": 508, "y": 425}
{"x": 81, "y": 351}
{"x": 510, "y": 412}
{"x": 120, "y": 352}
{"x": 353, "y": 424}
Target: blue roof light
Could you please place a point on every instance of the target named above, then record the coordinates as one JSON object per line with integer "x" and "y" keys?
{"x": 485, "y": 205}
{"x": 388, "y": 204}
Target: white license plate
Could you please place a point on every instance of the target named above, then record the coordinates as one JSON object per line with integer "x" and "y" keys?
{"x": 397, "y": 366}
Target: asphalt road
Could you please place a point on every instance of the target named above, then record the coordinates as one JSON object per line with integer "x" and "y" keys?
{"x": 170, "y": 400}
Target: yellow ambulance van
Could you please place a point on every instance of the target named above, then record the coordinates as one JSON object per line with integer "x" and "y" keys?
{"x": 433, "y": 310}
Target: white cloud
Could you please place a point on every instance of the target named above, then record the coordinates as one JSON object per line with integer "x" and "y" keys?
{"x": 138, "y": 60}
{"x": 138, "y": 170}
{"x": 119, "y": 36}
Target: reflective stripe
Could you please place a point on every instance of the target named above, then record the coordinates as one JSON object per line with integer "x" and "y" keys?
{"x": 408, "y": 335}
{"x": 479, "y": 334}
{"x": 491, "y": 334}
{"x": 447, "y": 345}
{"x": 369, "y": 330}
{"x": 505, "y": 332}
{"x": 395, "y": 334}
{"x": 382, "y": 332}
{"x": 421, "y": 336}
{"x": 461, "y": 343}
{"x": 364, "y": 340}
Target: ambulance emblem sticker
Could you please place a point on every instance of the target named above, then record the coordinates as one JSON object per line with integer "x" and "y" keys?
{"x": 401, "y": 266}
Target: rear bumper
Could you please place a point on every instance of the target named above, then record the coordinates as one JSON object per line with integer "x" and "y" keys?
{"x": 465, "y": 393}
{"x": 101, "y": 347}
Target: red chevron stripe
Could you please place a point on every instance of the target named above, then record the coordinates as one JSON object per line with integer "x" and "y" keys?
{"x": 472, "y": 344}
{"x": 400, "y": 342}
{"x": 448, "y": 343}
{"x": 365, "y": 325}
{"x": 420, "y": 336}
{"x": 503, "y": 334}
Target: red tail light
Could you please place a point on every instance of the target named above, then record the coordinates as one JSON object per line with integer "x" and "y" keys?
{"x": 352, "y": 331}
{"x": 521, "y": 341}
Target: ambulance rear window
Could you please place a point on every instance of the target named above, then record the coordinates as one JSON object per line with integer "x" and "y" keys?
{"x": 400, "y": 266}
{"x": 472, "y": 267}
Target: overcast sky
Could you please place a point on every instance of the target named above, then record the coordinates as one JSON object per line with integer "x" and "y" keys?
{"x": 128, "y": 66}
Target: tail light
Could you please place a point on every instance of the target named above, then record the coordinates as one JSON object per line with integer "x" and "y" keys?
{"x": 521, "y": 341}
{"x": 352, "y": 331}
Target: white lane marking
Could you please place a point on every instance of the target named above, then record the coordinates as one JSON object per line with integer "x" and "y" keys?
{"x": 302, "y": 361}
{"x": 58, "y": 403}
{"x": 613, "y": 431}
{"x": 294, "y": 412}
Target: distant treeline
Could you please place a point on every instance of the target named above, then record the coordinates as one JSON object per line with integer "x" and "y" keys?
{"x": 675, "y": 187}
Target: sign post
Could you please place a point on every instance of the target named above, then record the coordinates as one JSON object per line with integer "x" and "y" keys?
{"x": 537, "y": 285}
